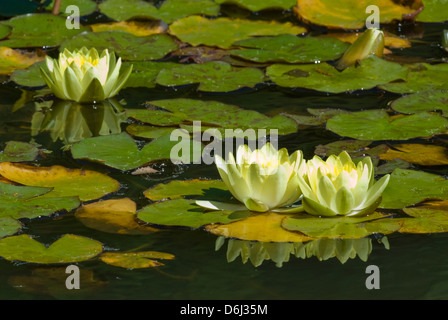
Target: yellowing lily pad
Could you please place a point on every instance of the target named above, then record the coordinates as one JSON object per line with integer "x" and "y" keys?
{"x": 85, "y": 184}
{"x": 67, "y": 249}
{"x": 112, "y": 216}
{"x": 213, "y": 76}
{"x": 265, "y": 227}
{"x": 342, "y": 227}
{"x": 289, "y": 48}
{"x": 349, "y": 14}
{"x": 409, "y": 187}
{"x": 425, "y": 220}
{"x": 370, "y": 73}
{"x": 16, "y": 151}
{"x": 12, "y": 59}
{"x": 390, "y": 40}
{"x": 421, "y": 154}
{"x": 48, "y": 30}
{"x": 137, "y": 28}
{"x": 135, "y": 260}
{"x": 378, "y": 125}
{"x": 223, "y": 32}
{"x": 125, "y": 45}
{"x": 180, "y": 188}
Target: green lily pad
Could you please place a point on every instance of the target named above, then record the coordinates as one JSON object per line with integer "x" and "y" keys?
{"x": 434, "y": 11}
{"x": 434, "y": 100}
{"x": 31, "y": 76}
{"x": 148, "y": 132}
{"x": 121, "y": 151}
{"x": 408, "y": 187}
{"x": 378, "y": 125}
{"x": 371, "y": 72}
{"x": 25, "y": 202}
{"x": 125, "y": 45}
{"x": 169, "y": 11}
{"x": 290, "y": 48}
{"x": 211, "y": 113}
{"x": 213, "y": 76}
{"x": 9, "y": 226}
{"x": 85, "y": 7}
{"x": 65, "y": 182}
{"x": 184, "y": 213}
{"x": 48, "y": 31}
{"x": 180, "y": 188}
{"x": 258, "y": 5}
{"x": 144, "y": 73}
{"x": 342, "y": 227}
{"x": 420, "y": 77}
{"x": 223, "y": 32}
{"x": 425, "y": 220}
{"x": 319, "y": 116}
{"x": 16, "y": 151}
{"x": 4, "y": 31}
{"x": 67, "y": 249}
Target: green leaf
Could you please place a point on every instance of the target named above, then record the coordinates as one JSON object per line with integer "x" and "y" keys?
{"x": 378, "y": 125}
{"x": 17, "y": 151}
{"x": 85, "y": 7}
{"x": 434, "y": 11}
{"x": 9, "y": 226}
{"x": 125, "y": 45}
{"x": 223, "y": 32}
{"x": 183, "y": 213}
{"x": 48, "y": 31}
{"x": 67, "y": 249}
{"x": 408, "y": 187}
{"x": 290, "y": 48}
{"x": 342, "y": 227}
{"x": 433, "y": 100}
{"x": 121, "y": 151}
{"x": 31, "y": 76}
{"x": 214, "y": 76}
{"x": 258, "y": 5}
{"x": 371, "y": 72}
{"x": 144, "y": 73}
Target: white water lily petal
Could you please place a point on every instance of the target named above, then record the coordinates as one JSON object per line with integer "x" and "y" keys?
{"x": 216, "y": 205}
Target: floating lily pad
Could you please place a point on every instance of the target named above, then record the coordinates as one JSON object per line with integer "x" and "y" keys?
{"x": 31, "y": 76}
{"x": 16, "y": 151}
{"x": 212, "y": 113}
{"x": 85, "y": 184}
{"x": 425, "y": 219}
{"x": 265, "y": 227}
{"x": 184, "y": 213}
{"x": 342, "y": 227}
{"x": 85, "y": 7}
{"x": 378, "y": 125}
{"x": 180, "y": 188}
{"x": 125, "y": 45}
{"x": 318, "y": 117}
{"x": 420, "y": 77}
{"x": 434, "y": 11}
{"x": 213, "y": 76}
{"x": 434, "y": 100}
{"x": 290, "y": 48}
{"x": 11, "y": 59}
{"x": 223, "y": 32}
{"x": 390, "y": 40}
{"x": 20, "y": 202}
{"x": 408, "y": 187}
{"x": 4, "y": 31}
{"x": 371, "y": 72}
{"x": 135, "y": 260}
{"x": 112, "y": 216}
{"x": 258, "y": 5}
{"x": 121, "y": 151}
{"x": 349, "y": 14}
{"x": 9, "y": 226}
{"x": 137, "y": 28}
{"x": 67, "y": 249}
{"x": 421, "y": 154}
{"x": 169, "y": 11}
{"x": 48, "y": 31}
{"x": 148, "y": 132}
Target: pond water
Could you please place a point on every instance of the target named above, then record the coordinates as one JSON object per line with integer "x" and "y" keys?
{"x": 412, "y": 266}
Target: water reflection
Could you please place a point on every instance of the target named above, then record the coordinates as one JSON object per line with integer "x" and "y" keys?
{"x": 72, "y": 122}
{"x": 280, "y": 252}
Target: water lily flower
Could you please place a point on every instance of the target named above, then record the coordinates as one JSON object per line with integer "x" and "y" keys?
{"x": 265, "y": 179}
{"x": 339, "y": 187}
{"x": 85, "y": 75}
{"x": 371, "y": 42}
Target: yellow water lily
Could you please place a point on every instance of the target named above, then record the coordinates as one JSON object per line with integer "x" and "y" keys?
{"x": 370, "y": 42}
{"x": 265, "y": 179}
{"x": 85, "y": 75}
{"x": 339, "y": 187}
